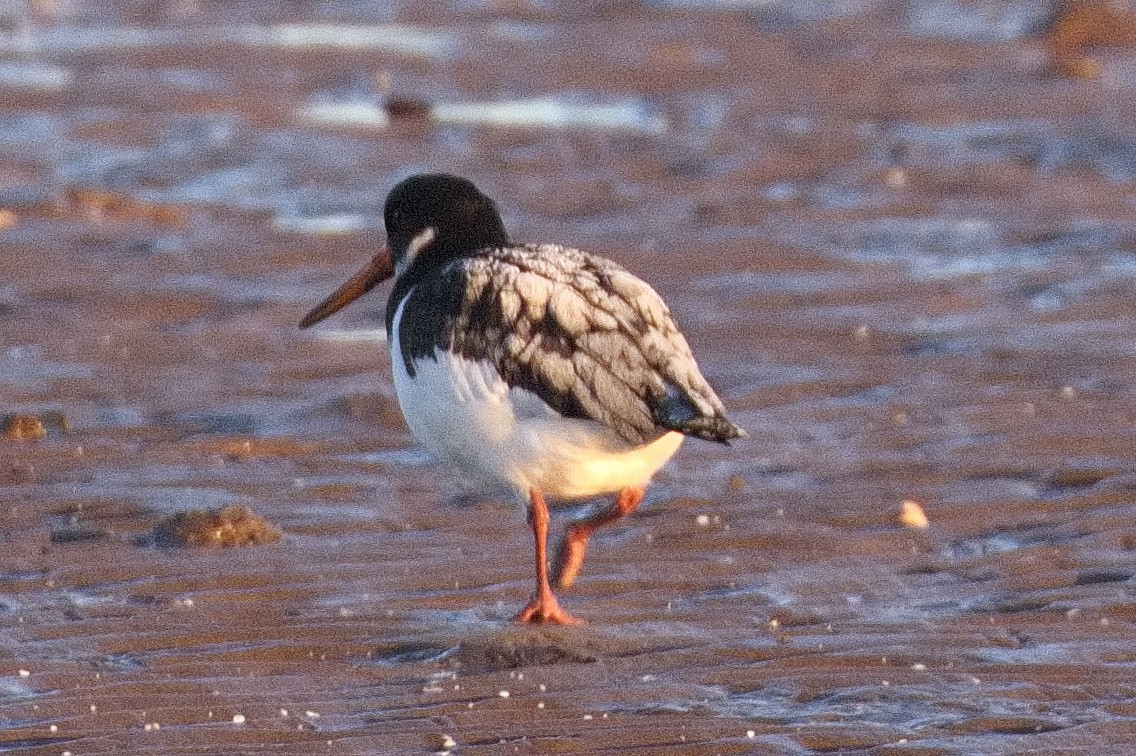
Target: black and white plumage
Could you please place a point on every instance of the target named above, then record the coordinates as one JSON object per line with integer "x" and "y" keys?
{"x": 537, "y": 367}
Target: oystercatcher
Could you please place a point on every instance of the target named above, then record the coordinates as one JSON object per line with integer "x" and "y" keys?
{"x": 534, "y": 367}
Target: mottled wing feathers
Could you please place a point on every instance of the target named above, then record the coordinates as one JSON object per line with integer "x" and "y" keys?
{"x": 579, "y": 331}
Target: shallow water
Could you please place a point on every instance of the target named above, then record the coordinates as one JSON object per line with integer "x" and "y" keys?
{"x": 901, "y": 245}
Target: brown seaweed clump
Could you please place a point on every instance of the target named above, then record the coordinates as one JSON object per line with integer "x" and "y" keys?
{"x": 28, "y": 426}
{"x": 24, "y": 428}
{"x": 1083, "y": 24}
{"x": 408, "y": 109}
{"x": 233, "y": 525}
{"x": 99, "y": 205}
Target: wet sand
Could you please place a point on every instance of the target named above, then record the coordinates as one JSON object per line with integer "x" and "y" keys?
{"x": 901, "y": 242}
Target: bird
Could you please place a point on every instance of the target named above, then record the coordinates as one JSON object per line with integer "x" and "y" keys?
{"x": 536, "y": 368}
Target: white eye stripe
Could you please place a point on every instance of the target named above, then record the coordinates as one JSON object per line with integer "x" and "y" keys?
{"x": 418, "y": 242}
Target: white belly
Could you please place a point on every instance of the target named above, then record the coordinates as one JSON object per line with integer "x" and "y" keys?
{"x": 507, "y": 437}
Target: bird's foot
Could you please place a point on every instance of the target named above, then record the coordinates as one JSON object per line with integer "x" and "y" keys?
{"x": 569, "y": 559}
{"x": 570, "y": 555}
{"x": 545, "y": 608}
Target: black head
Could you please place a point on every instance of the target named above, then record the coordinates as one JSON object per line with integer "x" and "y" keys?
{"x": 430, "y": 219}
{"x": 434, "y": 217}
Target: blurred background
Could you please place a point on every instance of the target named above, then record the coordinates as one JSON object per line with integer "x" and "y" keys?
{"x": 900, "y": 237}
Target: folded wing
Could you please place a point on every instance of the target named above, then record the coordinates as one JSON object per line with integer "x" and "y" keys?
{"x": 579, "y": 331}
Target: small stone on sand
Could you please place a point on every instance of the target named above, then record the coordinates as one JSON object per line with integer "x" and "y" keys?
{"x": 441, "y": 742}
{"x": 912, "y": 515}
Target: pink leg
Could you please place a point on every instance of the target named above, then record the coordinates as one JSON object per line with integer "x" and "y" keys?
{"x": 543, "y": 606}
{"x": 570, "y": 556}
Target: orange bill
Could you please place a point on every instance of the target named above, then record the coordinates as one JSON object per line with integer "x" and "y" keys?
{"x": 379, "y": 269}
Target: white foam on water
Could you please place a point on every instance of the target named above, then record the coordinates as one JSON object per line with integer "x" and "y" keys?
{"x": 353, "y": 335}
{"x": 395, "y": 38}
{"x": 345, "y": 114}
{"x": 73, "y": 39}
{"x": 546, "y": 113}
{"x": 401, "y": 39}
{"x": 551, "y": 112}
{"x": 24, "y": 74}
{"x": 330, "y": 224}
{"x": 976, "y": 21}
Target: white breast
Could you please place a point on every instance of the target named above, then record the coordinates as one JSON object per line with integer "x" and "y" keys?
{"x": 499, "y": 436}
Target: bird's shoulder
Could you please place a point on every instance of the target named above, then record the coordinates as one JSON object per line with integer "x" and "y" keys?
{"x": 579, "y": 290}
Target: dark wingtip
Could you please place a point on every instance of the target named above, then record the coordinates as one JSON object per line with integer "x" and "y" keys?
{"x": 735, "y": 432}
{"x": 712, "y": 429}
{"x": 675, "y": 411}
